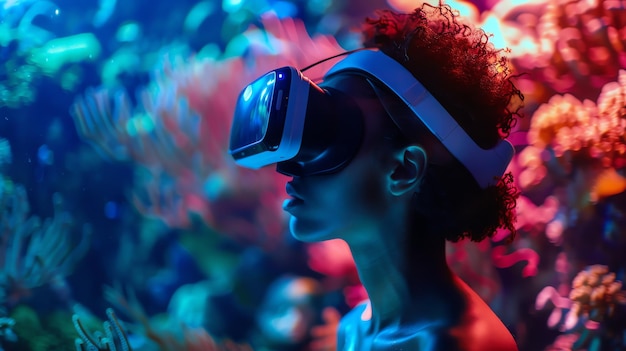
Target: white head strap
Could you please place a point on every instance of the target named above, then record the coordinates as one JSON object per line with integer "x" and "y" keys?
{"x": 485, "y": 165}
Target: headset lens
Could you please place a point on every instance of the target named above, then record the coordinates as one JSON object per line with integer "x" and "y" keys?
{"x": 252, "y": 113}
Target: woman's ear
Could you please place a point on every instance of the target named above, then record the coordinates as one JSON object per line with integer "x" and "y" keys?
{"x": 409, "y": 169}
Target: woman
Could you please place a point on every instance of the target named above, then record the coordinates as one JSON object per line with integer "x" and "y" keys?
{"x": 397, "y": 238}
{"x": 405, "y": 191}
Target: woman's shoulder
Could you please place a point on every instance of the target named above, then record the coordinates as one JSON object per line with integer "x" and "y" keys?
{"x": 484, "y": 332}
{"x": 479, "y": 327}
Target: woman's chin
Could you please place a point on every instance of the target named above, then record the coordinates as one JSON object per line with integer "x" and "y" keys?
{"x": 309, "y": 232}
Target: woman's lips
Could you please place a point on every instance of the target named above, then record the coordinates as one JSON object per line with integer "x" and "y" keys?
{"x": 296, "y": 200}
{"x": 290, "y": 204}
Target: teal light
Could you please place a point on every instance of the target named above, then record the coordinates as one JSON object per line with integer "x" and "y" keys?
{"x": 147, "y": 124}
{"x": 319, "y": 7}
{"x": 128, "y": 32}
{"x": 140, "y": 125}
{"x": 231, "y": 6}
{"x": 197, "y": 15}
{"x": 131, "y": 129}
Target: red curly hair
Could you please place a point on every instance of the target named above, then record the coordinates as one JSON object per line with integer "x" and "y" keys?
{"x": 472, "y": 80}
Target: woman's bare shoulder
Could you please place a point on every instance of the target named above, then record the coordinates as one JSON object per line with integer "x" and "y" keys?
{"x": 478, "y": 328}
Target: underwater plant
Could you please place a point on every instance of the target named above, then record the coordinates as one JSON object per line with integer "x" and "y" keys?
{"x": 33, "y": 253}
{"x": 5, "y": 152}
{"x": 6, "y": 330}
{"x": 28, "y": 52}
{"x": 113, "y": 339}
{"x": 19, "y": 24}
{"x": 36, "y": 330}
{"x": 166, "y": 337}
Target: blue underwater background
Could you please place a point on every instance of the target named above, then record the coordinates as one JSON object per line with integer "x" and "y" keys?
{"x": 124, "y": 224}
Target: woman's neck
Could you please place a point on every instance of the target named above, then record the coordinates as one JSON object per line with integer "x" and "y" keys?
{"x": 407, "y": 281}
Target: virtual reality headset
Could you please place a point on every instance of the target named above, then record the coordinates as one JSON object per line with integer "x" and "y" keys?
{"x": 306, "y": 129}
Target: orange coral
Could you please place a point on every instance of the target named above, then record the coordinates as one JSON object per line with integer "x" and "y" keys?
{"x": 564, "y": 124}
{"x": 567, "y": 134}
{"x": 595, "y": 293}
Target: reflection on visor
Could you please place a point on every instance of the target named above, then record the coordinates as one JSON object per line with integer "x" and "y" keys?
{"x": 254, "y": 105}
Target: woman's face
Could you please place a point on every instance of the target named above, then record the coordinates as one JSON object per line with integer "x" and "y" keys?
{"x": 335, "y": 205}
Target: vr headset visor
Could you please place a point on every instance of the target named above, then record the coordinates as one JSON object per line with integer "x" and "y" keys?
{"x": 306, "y": 129}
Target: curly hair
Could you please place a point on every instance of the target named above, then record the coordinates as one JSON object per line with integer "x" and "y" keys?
{"x": 472, "y": 80}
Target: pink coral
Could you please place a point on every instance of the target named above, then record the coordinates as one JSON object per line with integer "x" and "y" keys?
{"x": 578, "y": 46}
{"x": 557, "y": 298}
{"x": 560, "y": 304}
{"x": 502, "y": 259}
